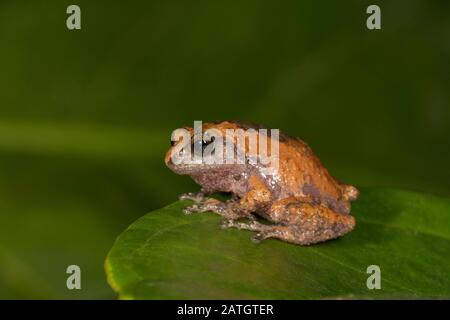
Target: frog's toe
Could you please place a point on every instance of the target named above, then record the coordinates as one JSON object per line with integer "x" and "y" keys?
{"x": 185, "y": 196}
{"x": 260, "y": 236}
{"x": 197, "y": 197}
{"x": 226, "y": 224}
{"x": 191, "y": 209}
{"x": 188, "y": 196}
{"x": 233, "y": 221}
{"x": 257, "y": 238}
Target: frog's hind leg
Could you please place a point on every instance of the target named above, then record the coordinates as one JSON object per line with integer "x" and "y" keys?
{"x": 299, "y": 222}
{"x": 264, "y": 231}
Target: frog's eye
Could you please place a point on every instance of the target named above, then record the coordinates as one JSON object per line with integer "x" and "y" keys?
{"x": 206, "y": 143}
{"x": 202, "y": 143}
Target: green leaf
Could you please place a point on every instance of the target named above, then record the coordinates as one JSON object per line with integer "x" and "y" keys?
{"x": 169, "y": 255}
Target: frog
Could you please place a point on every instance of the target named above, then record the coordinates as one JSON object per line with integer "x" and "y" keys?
{"x": 301, "y": 203}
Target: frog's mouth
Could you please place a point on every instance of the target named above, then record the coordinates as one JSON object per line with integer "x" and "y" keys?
{"x": 186, "y": 163}
{"x": 192, "y": 168}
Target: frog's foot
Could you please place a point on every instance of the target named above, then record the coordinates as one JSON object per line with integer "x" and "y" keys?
{"x": 228, "y": 210}
{"x": 264, "y": 231}
{"x": 197, "y": 197}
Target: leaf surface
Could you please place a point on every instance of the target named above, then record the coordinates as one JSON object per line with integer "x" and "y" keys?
{"x": 168, "y": 255}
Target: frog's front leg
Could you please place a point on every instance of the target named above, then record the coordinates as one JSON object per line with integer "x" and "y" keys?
{"x": 231, "y": 209}
{"x": 197, "y": 197}
{"x": 300, "y": 222}
{"x": 257, "y": 196}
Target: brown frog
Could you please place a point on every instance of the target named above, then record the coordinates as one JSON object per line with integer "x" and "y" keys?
{"x": 302, "y": 201}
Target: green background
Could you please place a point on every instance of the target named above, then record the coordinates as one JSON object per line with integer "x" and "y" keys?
{"x": 86, "y": 116}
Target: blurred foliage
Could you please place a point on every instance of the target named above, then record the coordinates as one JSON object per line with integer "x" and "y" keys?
{"x": 85, "y": 116}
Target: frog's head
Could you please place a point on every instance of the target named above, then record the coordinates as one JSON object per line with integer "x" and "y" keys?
{"x": 201, "y": 155}
{"x": 201, "y": 150}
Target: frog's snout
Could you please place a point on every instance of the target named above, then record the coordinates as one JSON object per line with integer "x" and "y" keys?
{"x": 168, "y": 159}
{"x": 350, "y": 193}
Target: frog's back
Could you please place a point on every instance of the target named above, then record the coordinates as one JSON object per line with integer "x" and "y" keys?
{"x": 303, "y": 174}
{"x": 299, "y": 166}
